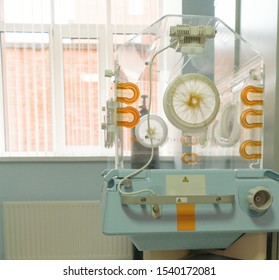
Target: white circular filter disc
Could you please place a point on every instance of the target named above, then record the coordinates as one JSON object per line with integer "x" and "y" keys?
{"x": 158, "y": 131}
{"x": 191, "y": 102}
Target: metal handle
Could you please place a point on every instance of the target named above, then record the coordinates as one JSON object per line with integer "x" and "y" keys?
{"x": 189, "y": 199}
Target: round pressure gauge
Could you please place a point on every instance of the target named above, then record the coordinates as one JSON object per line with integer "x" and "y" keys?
{"x": 191, "y": 102}
{"x": 157, "y": 131}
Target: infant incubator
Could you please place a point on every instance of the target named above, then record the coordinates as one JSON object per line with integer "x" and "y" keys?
{"x": 185, "y": 121}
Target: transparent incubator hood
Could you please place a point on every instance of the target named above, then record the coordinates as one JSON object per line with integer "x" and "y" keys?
{"x": 188, "y": 92}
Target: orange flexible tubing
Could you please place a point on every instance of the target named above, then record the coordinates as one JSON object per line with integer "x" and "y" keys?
{"x": 128, "y": 110}
{"x": 252, "y": 113}
{"x": 244, "y": 96}
{"x": 126, "y": 86}
{"x": 247, "y": 143}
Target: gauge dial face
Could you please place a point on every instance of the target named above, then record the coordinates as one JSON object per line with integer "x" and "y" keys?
{"x": 191, "y": 102}
{"x": 157, "y": 131}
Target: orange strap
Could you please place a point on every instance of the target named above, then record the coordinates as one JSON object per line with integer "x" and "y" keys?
{"x": 186, "y": 217}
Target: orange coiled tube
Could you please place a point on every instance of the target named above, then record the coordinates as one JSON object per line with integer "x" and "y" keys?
{"x": 244, "y": 96}
{"x": 254, "y": 146}
{"x": 190, "y": 158}
{"x": 128, "y": 86}
{"x": 128, "y": 117}
{"x": 251, "y": 113}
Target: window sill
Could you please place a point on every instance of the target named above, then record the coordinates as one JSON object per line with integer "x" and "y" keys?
{"x": 69, "y": 159}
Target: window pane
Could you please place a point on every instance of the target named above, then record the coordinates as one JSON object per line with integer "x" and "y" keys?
{"x": 27, "y": 95}
{"x": 27, "y": 11}
{"x": 80, "y": 11}
{"x": 134, "y": 12}
{"x": 81, "y": 95}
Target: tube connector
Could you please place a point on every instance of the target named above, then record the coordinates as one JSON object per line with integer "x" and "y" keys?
{"x": 259, "y": 199}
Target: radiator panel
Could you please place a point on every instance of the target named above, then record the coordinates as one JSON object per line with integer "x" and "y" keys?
{"x": 59, "y": 230}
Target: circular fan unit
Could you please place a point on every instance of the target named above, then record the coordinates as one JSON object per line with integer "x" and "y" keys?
{"x": 158, "y": 131}
{"x": 191, "y": 102}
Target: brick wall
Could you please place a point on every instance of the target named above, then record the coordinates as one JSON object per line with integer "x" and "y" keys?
{"x": 27, "y": 100}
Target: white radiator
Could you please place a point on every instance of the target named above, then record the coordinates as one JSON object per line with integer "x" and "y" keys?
{"x": 59, "y": 230}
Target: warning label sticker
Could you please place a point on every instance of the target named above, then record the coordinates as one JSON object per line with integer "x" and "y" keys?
{"x": 185, "y": 180}
{"x": 186, "y": 184}
{"x": 181, "y": 200}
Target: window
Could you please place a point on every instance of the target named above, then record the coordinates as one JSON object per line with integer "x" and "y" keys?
{"x": 81, "y": 96}
{"x": 53, "y": 58}
{"x": 27, "y": 94}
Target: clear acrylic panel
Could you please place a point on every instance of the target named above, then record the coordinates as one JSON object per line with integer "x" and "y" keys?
{"x": 205, "y": 84}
